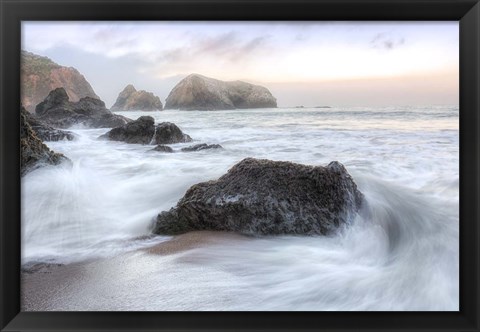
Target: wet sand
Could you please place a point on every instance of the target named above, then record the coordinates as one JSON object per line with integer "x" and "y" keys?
{"x": 193, "y": 240}
{"x": 138, "y": 280}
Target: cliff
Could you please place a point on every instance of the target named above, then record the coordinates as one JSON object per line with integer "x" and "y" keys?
{"x": 39, "y": 75}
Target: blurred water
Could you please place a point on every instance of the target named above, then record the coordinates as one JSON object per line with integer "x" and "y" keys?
{"x": 400, "y": 254}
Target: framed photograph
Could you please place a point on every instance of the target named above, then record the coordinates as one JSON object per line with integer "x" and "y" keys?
{"x": 240, "y": 165}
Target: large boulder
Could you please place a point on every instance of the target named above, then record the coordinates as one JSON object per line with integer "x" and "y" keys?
{"x": 132, "y": 100}
{"x": 267, "y": 197}
{"x": 197, "y": 92}
{"x": 144, "y": 131}
{"x": 39, "y": 75}
{"x": 58, "y": 111}
{"x": 34, "y": 153}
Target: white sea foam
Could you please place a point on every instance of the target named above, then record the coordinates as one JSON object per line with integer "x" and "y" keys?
{"x": 400, "y": 254}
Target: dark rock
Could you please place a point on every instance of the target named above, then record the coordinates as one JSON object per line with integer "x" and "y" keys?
{"x": 57, "y": 111}
{"x": 39, "y": 75}
{"x": 169, "y": 133}
{"x": 131, "y": 99}
{"x": 203, "y": 146}
{"x": 197, "y": 92}
{"x": 34, "y": 153}
{"x": 140, "y": 131}
{"x": 106, "y": 120}
{"x": 162, "y": 148}
{"x": 267, "y": 197}
{"x": 54, "y": 98}
{"x": 47, "y": 133}
{"x": 144, "y": 131}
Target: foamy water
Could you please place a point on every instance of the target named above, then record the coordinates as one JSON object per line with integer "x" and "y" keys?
{"x": 401, "y": 253}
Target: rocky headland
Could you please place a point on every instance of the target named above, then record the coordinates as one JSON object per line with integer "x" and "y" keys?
{"x": 144, "y": 131}
{"x": 132, "y": 100}
{"x": 39, "y": 75}
{"x": 264, "y": 197}
{"x": 197, "y": 92}
{"x": 34, "y": 153}
{"x": 59, "y": 112}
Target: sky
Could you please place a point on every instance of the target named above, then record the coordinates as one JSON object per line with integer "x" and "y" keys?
{"x": 301, "y": 63}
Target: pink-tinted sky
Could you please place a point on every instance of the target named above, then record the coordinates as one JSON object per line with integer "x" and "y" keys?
{"x": 302, "y": 63}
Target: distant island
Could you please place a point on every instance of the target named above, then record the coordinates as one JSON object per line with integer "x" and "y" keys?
{"x": 198, "y": 92}
{"x": 40, "y": 75}
{"x": 132, "y": 100}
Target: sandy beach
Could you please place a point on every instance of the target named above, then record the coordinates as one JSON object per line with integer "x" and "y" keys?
{"x": 121, "y": 282}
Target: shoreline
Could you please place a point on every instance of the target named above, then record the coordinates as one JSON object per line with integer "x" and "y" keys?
{"x": 78, "y": 286}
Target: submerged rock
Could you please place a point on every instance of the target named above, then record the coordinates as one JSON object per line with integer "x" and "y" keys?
{"x": 162, "y": 148}
{"x": 56, "y": 110}
{"x": 197, "y": 92}
{"x": 203, "y": 146}
{"x": 264, "y": 197}
{"x": 144, "y": 131}
{"x": 34, "y": 153}
{"x": 131, "y": 99}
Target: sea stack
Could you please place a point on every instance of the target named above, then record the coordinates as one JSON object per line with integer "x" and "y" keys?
{"x": 197, "y": 92}
{"x": 132, "y": 100}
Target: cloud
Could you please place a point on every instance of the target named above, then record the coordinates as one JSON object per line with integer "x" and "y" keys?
{"x": 300, "y": 37}
{"x": 217, "y": 44}
{"x": 255, "y": 43}
{"x": 173, "y": 55}
{"x": 250, "y": 48}
{"x": 210, "y": 51}
{"x": 386, "y": 41}
{"x": 110, "y": 37}
{"x": 268, "y": 51}
{"x": 228, "y": 46}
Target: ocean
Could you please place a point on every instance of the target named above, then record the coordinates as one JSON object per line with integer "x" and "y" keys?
{"x": 400, "y": 253}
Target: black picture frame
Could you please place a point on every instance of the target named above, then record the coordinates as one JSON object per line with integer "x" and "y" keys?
{"x": 12, "y": 12}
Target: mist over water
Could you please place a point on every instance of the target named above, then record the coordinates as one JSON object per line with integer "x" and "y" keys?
{"x": 401, "y": 252}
